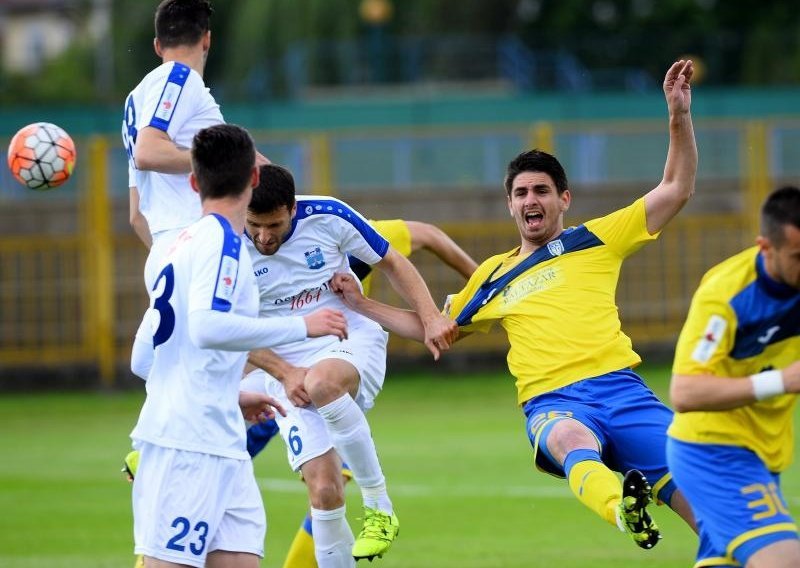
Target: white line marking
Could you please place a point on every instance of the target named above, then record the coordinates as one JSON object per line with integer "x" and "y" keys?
{"x": 406, "y": 490}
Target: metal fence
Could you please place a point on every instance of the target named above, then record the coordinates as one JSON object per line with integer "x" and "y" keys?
{"x": 71, "y": 289}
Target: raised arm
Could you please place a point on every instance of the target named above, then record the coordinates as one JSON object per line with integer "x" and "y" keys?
{"x": 690, "y": 393}
{"x": 432, "y": 238}
{"x": 664, "y": 201}
{"x": 440, "y": 332}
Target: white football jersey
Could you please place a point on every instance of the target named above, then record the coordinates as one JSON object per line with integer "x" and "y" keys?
{"x": 296, "y": 279}
{"x": 192, "y": 393}
{"x": 172, "y": 98}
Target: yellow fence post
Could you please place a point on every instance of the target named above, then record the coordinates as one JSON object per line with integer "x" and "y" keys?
{"x": 541, "y": 137}
{"x": 756, "y": 160}
{"x": 321, "y": 165}
{"x": 98, "y": 279}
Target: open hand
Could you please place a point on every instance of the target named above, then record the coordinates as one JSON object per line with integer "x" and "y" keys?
{"x": 677, "y": 87}
{"x": 259, "y": 407}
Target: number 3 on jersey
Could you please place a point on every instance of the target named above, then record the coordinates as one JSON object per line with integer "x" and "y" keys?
{"x": 166, "y": 324}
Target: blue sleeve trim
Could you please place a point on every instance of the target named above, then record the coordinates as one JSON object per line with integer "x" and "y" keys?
{"x": 309, "y": 207}
{"x": 571, "y": 240}
{"x": 231, "y": 247}
{"x": 170, "y": 95}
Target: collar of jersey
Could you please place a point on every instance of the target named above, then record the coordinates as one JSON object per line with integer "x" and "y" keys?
{"x": 770, "y": 285}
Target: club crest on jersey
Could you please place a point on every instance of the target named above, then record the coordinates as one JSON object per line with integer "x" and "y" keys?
{"x": 555, "y": 247}
{"x": 314, "y": 258}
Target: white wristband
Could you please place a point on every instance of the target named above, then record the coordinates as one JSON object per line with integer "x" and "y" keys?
{"x": 767, "y": 384}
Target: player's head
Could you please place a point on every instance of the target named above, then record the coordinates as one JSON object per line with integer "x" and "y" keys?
{"x": 182, "y": 23}
{"x": 223, "y": 162}
{"x": 271, "y": 209}
{"x": 780, "y": 235}
{"x": 538, "y": 195}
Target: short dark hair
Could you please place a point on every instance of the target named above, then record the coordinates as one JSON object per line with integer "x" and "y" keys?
{"x": 182, "y": 22}
{"x": 536, "y": 161}
{"x": 275, "y": 189}
{"x": 781, "y": 208}
{"x": 223, "y": 157}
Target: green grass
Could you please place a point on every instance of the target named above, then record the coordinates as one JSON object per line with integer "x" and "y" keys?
{"x": 457, "y": 460}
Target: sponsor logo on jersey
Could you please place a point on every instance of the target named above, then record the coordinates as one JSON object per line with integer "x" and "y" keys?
{"x": 314, "y": 258}
{"x": 227, "y": 278}
{"x": 712, "y": 336}
{"x": 261, "y": 271}
{"x": 555, "y": 247}
{"x": 764, "y": 339}
{"x": 166, "y": 106}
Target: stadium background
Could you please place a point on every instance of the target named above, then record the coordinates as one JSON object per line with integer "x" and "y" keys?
{"x": 413, "y": 115}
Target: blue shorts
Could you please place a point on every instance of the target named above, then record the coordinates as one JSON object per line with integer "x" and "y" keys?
{"x": 625, "y": 416}
{"x": 737, "y": 502}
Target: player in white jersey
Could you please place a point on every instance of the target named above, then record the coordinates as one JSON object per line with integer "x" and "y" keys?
{"x": 297, "y": 246}
{"x": 162, "y": 114}
{"x": 195, "y": 499}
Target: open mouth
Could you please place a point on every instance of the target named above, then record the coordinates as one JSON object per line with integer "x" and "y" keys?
{"x": 534, "y": 219}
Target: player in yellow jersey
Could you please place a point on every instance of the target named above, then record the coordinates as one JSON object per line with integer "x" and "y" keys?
{"x": 735, "y": 377}
{"x": 588, "y": 414}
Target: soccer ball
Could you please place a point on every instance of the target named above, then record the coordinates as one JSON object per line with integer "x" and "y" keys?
{"x": 41, "y": 156}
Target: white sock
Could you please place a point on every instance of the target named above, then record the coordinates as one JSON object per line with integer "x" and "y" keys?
{"x": 333, "y": 539}
{"x": 352, "y": 438}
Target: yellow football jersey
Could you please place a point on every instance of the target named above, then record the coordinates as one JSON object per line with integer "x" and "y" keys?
{"x": 741, "y": 322}
{"x": 396, "y": 232}
{"x": 557, "y": 304}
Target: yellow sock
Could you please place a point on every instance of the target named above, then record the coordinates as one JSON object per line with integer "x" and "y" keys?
{"x": 597, "y": 487}
{"x": 139, "y": 561}
{"x": 301, "y": 553}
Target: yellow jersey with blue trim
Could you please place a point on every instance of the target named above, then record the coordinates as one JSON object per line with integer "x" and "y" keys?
{"x": 399, "y": 236}
{"x": 741, "y": 322}
{"x": 557, "y": 304}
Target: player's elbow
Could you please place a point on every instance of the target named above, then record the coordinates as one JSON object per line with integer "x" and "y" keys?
{"x": 679, "y": 396}
{"x": 201, "y": 334}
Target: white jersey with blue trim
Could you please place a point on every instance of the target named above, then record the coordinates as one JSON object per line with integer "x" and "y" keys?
{"x": 296, "y": 279}
{"x": 192, "y": 393}
{"x": 174, "y": 99}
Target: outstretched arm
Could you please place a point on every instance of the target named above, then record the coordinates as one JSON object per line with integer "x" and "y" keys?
{"x": 677, "y": 186}
{"x": 690, "y": 393}
{"x": 405, "y": 323}
{"x": 432, "y": 238}
{"x": 440, "y": 332}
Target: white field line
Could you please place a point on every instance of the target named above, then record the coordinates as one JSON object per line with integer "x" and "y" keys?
{"x": 296, "y": 486}
{"x": 426, "y": 491}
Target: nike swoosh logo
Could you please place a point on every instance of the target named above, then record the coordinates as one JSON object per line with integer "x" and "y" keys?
{"x": 768, "y": 335}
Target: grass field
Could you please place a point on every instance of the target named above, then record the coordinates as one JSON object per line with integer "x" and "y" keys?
{"x": 454, "y": 450}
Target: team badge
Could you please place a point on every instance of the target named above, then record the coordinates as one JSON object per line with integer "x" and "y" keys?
{"x": 712, "y": 336}
{"x": 555, "y": 247}
{"x": 314, "y": 258}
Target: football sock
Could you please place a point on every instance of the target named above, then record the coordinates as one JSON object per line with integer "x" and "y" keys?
{"x": 593, "y": 483}
{"x": 333, "y": 539}
{"x": 301, "y": 551}
{"x": 352, "y": 438}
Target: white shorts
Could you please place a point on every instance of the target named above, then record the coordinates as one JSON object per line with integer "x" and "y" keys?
{"x": 187, "y": 504}
{"x": 303, "y": 429}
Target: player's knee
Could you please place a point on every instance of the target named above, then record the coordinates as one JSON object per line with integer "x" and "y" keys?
{"x": 567, "y": 435}
{"x": 323, "y": 388}
{"x": 326, "y": 493}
